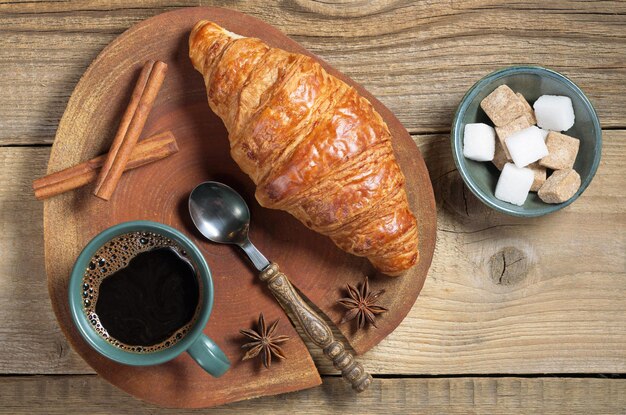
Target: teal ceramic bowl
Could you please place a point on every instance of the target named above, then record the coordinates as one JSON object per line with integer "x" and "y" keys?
{"x": 201, "y": 348}
{"x": 532, "y": 82}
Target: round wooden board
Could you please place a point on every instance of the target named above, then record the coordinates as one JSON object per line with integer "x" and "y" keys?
{"x": 159, "y": 192}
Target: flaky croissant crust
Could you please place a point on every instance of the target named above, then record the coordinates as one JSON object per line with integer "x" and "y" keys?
{"x": 312, "y": 145}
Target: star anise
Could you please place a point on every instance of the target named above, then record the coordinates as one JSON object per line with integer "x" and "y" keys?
{"x": 263, "y": 340}
{"x": 361, "y": 304}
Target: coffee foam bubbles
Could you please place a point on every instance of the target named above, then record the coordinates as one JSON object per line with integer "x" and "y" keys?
{"x": 115, "y": 255}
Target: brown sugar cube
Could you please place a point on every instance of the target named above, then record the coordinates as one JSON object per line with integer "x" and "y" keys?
{"x": 499, "y": 157}
{"x": 540, "y": 176}
{"x": 560, "y": 186}
{"x": 502, "y": 106}
{"x": 529, "y": 112}
{"x": 562, "y": 151}
{"x": 518, "y": 124}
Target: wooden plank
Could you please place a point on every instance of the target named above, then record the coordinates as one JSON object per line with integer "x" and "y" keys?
{"x": 565, "y": 315}
{"x": 419, "y": 58}
{"x": 294, "y": 17}
{"x": 40, "y": 71}
{"x": 28, "y": 328}
{"x": 463, "y": 395}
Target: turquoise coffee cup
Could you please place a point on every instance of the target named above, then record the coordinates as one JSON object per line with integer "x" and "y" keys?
{"x": 201, "y": 348}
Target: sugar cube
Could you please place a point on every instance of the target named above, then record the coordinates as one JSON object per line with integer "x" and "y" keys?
{"x": 544, "y": 134}
{"x": 499, "y": 157}
{"x": 526, "y": 146}
{"x": 562, "y": 150}
{"x": 518, "y": 124}
{"x": 502, "y": 106}
{"x": 479, "y": 142}
{"x": 560, "y": 186}
{"x": 540, "y": 173}
{"x": 554, "y": 112}
{"x": 528, "y": 110}
{"x": 514, "y": 184}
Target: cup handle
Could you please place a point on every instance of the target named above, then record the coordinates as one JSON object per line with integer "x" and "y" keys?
{"x": 209, "y": 356}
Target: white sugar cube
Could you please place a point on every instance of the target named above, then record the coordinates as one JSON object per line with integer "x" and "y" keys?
{"x": 554, "y": 112}
{"x": 514, "y": 184}
{"x": 526, "y": 146}
{"x": 479, "y": 142}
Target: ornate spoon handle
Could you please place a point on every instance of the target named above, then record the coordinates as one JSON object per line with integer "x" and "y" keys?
{"x": 316, "y": 328}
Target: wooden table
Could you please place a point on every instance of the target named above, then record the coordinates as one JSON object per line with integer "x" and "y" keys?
{"x": 541, "y": 328}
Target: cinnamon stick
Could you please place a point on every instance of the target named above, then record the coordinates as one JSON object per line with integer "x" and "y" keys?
{"x": 129, "y": 130}
{"x": 146, "y": 151}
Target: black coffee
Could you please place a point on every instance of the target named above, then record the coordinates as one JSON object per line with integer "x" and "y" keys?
{"x": 141, "y": 292}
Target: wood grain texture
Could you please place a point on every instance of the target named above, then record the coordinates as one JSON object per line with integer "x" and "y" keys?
{"x": 417, "y": 57}
{"x": 26, "y": 328}
{"x": 464, "y": 395}
{"x": 566, "y": 315}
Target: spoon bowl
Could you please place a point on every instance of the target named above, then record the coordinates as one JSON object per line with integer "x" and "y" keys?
{"x": 219, "y": 213}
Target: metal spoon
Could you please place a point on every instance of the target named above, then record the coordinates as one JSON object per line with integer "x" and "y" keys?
{"x": 222, "y": 216}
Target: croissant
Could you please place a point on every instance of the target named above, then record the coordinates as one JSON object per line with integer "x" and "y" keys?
{"x": 312, "y": 145}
